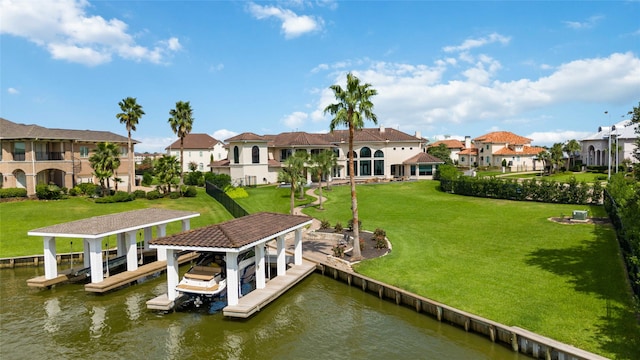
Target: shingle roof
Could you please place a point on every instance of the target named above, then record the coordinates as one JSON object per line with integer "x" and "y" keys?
{"x": 423, "y": 158}
{"x": 195, "y": 141}
{"x": 246, "y": 136}
{"x": 503, "y": 137}
{"x": 235, "y": 233}
{"x": 11, "y": 130}
{"x": 370, "y": 135}
{"x": 298, "y": 138}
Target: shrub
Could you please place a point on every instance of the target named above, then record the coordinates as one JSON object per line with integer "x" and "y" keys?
{"x": 190, "y": 191}
{"x": 87, "y": 188}
{"x": 74, "y": 191}
{"x": 175, "y": 195}
{"x": 193, "y": 178}
{"x": 221, "y": 181}
{"x": 338, "y": 228}
{"x": 119, "y": 196}
{"x": 153, "y": 195}
{"x": 48, "y": 192}
{"x": 139, "y": 194}
{"x": 361, "y": 244}
{"x": 236, "y": 193}
{"x": 324, "y": 224}
{"x": 380, "y": 237}
{"x": 338, "y": 251}
{"x": 147, "y": 179}
{"x": 13, "y": 193}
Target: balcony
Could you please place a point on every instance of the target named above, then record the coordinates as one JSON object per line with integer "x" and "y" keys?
{"x": 49, "y": 156}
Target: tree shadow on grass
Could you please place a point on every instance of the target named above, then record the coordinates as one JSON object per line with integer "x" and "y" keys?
{"x": 588, "y": 271}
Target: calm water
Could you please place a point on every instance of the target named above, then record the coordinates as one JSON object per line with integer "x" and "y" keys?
{"x": 319, "y": 318}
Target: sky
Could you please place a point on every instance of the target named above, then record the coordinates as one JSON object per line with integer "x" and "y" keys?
{"x": 547, "y": 70}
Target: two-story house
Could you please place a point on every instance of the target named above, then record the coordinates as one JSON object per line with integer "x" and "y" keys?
{"x": 32, "y": 155}
{"x": 621, "y": 136}
{"x": 200, "y": 149}
{"x": 492, "y": 148}
{"x": 379, "y": 153}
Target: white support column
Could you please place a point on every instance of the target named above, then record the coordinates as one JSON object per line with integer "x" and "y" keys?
{"x": 95, "y": 248}
{"x": 132, "y": 250}
{"x": 232, "y": 278}
{"x": 186, "y": 224}
{"x": 260, "y": 267}
{"x": 162, "y": 232}
{"x": 121, "y": 244}
{"x": 172, "y": 273}
{"x": 281, "y": 256}
{"x": 297, "y": 251}
{"x": 86, "y": 252}
{"x": 148, "y": 235}
{"x": 50, "y": 263}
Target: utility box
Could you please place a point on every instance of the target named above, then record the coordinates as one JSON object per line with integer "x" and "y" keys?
{"x": 579, "y": 214}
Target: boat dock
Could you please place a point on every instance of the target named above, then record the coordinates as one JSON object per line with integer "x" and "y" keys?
{"x": 259, "y": 298}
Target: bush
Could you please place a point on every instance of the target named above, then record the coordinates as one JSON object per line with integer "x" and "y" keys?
{"x": 221, "y": 181}
{"x": 119, "y": 196}
{"x": 190, "y": 191}
{"x": 153, "y": 195}
{"x": 74, "y": 191}
{"x": 87, "y": 188}
{"x": 236, "y": 193}
{"x": 338, "y": 228}
{"x": 324, "y": 224}
{"x": 175, "y": 195}
{"x": 48, "y": 192}
{"x": 147, "y": 179}
{"x": 380, "y": 237}
{"x": 13, "y": 193}
{"x": 139, "y": 194}
{"x": 193, "y": 178}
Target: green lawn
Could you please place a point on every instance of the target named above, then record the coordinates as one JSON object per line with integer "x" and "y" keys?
{"x": 17, "y": 218}
{"x": 561, "y": 177}
{"x": 495, "y": 258}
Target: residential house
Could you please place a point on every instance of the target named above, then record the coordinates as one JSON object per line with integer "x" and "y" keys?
{"x": 492, "y": 148}
{"x": 379, "y": 153}
{"x": 200, "y": 149}
{"x": 595, "y": 147}
{"x": 454, "y": 146}
{"x": 33, "y": 155}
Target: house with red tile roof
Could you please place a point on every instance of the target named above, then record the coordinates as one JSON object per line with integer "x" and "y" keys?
{"x": 199, "y": 149}
{"x": 31, "y": 155}
{"x": 454, "y": 145}
{"x": 492, "y": 148}
{"x": 379, "y": 153}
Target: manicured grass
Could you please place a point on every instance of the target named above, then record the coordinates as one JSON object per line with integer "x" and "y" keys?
{"x": 561, "y": 177}
{"x": 17, "y": 218}
{"x": 272, "y": 199}
{"x": 500, "y": 259}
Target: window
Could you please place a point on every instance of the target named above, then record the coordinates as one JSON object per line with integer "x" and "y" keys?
{"x": 365, "y": 152}
{"x": 200, "y": 153}
{"x": 425, "y": 170}
{"x": 413, "y": 170}
{"x": 201, "y": 166}
{"x": 255, "y": 155}
{"x": 123, "y": 151}
{"x": 84, "y": 151}
{"x": 378, "y": 165}
{"x": 18, "y": 151}
{"x": 284, "y": 154}
{"x": 487, "y": 146}
{"x": 337, "y": 152}
{"x": 236, "y": 155}
{"x": 462, "y": 158}
{"x": 355, "y": 167}
{"x": 365, "y": 167}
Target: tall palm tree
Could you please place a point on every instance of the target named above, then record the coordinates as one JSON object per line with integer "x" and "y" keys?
{"x": 105, "y": 161}
{"x": 571, "y": 148}
{"x": 166, "y": 169}
{"x": 353, "y": 106}
{"x": 181, "y": 122}
{"x": 323, "y": 162}
{"x": 293, "y": 173}
{"x": 130, "y": 115}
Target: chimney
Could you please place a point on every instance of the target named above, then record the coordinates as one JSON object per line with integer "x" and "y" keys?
{"x": 467, "y": 142}
{"x": 381, "y": 128}
{"x": 418, "y": 134}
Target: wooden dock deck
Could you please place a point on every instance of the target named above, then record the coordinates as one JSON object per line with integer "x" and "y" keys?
{"x": 41, "y": 282}
{"x": 126, "y": 277}
{"x": 259, "y": 298}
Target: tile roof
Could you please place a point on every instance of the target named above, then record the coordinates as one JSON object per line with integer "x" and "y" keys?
{"x": 470, "y": 151}
{"x": 195, "y": 141}
{"x": 370, "y": 135}
{"x": 299, "y": 138}
{"x": 423, "y": 158}
{"x": 450, "y": 143}
{"x": 526, "y": 150}
{"x": 113, "y": 223}
{"x": 246, "y": 136}
{"x": 503, "y": 137}
{"x": 235, "y": 233}
{"x": 11, "y": 130}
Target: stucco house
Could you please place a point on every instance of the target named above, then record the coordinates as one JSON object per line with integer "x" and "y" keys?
{"x": 491, "y": 148}
{"x": 379, "y": 153}
{"x": 33, "y": 155}
{"x": 454, "y": 145}
{"x": 200, "y": 149}
{"x": 621, "y": 135}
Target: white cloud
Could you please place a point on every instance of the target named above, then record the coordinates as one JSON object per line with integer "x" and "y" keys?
{"x": 587, "y": 24}
{"x": 293, "y": 25}
{"x": 474, "y": 43}
{"x": 65, "y": 29}
{"x": 549, "y": 138}
{"x": 223, "y": 134}
{"x": 13, "y": 91}
{"x": 153, "y": 144}
{"x": 295, "y": 120}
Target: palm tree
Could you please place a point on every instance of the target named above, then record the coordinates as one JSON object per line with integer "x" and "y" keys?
{"x": 557, "y": 157}
{"x": 166, "y": 169}
{"x": 293, "y": 173}
{"x": 571, "y": 148}
{"x": 105, "y": 161}
{"x": 353, "y": 106}
{"x": 130, "y": 115}
{"x": 323, "y": 162}
{"x": 181, "y": 121}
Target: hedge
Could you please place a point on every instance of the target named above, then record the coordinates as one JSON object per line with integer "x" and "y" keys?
{"x": 13, "y": 193}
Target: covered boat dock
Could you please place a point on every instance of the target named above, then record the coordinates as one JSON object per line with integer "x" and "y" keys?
{"x": 93, "y": 230}
{"x": 232, "y": 238}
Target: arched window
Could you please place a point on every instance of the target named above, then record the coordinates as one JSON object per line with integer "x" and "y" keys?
{"x": 236, "y": 155}
{"x": 365, "y": 152}
{"x": 255, "y": 155}
{"x": 365, "y": 165}
{"x": 378, "y": 164}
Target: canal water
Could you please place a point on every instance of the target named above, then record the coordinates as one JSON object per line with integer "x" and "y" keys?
{"x": 318, "y": 318}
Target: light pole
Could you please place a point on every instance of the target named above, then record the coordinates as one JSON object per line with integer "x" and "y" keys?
{"x": 609, "y": 150}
